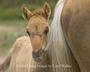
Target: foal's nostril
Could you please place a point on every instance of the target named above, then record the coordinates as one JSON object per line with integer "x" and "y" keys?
{"x": 35, "y": 54}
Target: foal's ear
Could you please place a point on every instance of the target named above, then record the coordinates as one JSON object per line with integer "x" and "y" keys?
{"x": 47, "y": 10}
{"x": 26, "y": 13}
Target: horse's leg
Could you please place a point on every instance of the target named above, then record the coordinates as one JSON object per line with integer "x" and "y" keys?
{"x": 4, "y": 65}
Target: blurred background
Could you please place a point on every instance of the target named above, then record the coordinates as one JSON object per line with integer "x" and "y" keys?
{"x": 12, "y": 25}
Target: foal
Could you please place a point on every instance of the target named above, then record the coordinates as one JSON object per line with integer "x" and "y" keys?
{"x": 27, "y": 54}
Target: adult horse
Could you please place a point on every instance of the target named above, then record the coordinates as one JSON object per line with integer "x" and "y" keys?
{"x": 69, "y": 37}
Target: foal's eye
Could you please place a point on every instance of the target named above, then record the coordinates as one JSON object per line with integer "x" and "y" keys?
{"x": 28, "y": 32}
{"x": 46, "y": 30}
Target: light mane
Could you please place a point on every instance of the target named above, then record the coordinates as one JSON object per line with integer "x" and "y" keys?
{"x": 58, "y": 51}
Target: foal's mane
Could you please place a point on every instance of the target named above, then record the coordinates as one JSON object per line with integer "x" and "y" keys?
{"x": 39, "y": 11}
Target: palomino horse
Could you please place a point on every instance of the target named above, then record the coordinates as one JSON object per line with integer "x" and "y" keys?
{"x": 27, "y": 54}
{"x": 69, "y": 37}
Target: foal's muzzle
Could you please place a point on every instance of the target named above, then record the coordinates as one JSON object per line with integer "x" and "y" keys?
{"x": 38, "y": 55}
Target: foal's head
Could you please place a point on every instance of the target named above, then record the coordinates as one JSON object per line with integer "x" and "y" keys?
{"x": 37, "y": 27}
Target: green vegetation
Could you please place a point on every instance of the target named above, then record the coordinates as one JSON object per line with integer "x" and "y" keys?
{"x": 9, "y": 31}
{"x": 11, "y": 9}
{"x": 7, "y": 39}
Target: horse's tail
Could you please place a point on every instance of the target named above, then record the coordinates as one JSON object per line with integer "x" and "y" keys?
{"x": 59, "y": 53}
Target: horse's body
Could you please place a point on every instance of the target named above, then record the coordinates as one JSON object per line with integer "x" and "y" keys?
{"x": 75, "y": 25}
